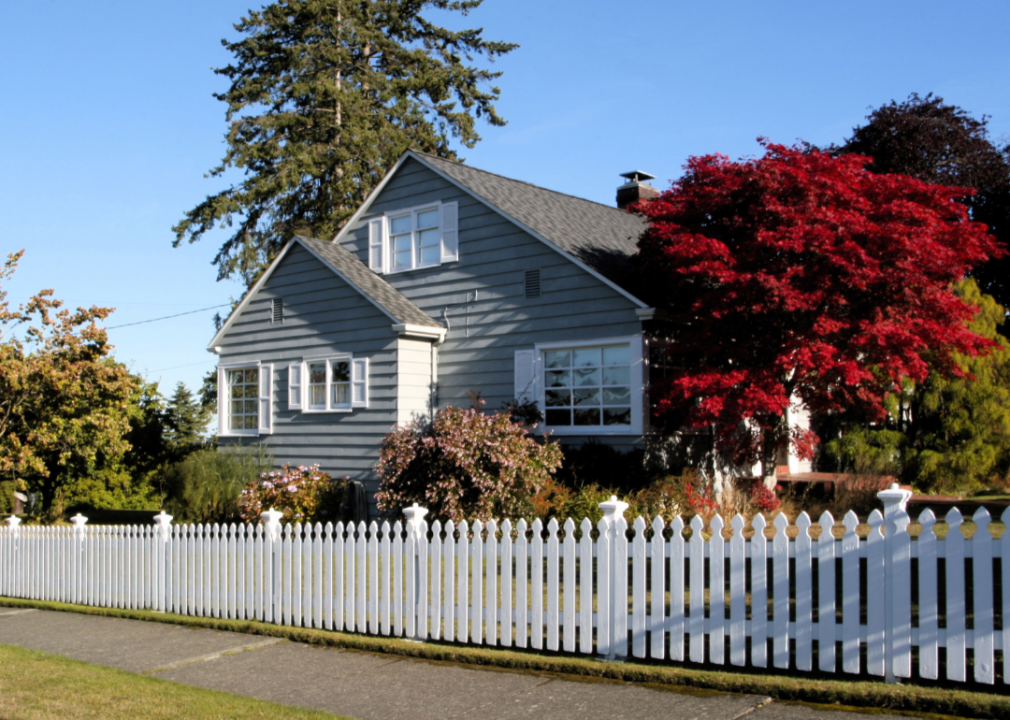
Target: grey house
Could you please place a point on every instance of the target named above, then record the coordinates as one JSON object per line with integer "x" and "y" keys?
{"x": 447, "y": 280}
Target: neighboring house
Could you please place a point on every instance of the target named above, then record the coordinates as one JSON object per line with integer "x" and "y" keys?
{"x": 447, "y": 280}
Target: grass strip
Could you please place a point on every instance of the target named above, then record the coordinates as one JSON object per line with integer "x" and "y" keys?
{"x": 923, "y": 700}
{"x": 39, "y": 686}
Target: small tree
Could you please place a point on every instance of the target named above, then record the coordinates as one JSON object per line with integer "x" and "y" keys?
{"x": 464, "y": 465}
{"x": 63, "y": 401}
{"x": 186, "y": 420}
{"x": 799, "y": 277}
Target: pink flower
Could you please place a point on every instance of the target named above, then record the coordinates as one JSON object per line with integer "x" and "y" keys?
{"x": 292, "y": 488}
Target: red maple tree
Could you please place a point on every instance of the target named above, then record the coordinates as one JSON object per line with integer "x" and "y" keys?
{"x": 802, "y": 277}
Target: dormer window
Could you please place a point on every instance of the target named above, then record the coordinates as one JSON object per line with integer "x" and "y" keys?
{"x": 413, "y": 238}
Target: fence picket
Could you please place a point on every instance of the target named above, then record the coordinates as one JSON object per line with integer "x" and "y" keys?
{"x": 384, "y": 571}
{"x": 339, "y": 587}
{"x": 569, "y": 586}
{"x": 537, "y": 585}
{"x": 875, "y": 610}
{"x": 586, "y": 587}
{"x": 696, "y": 561}
{"x": 780, "y": 590}
{"x": 476, "y": 584}
{"x": 421, "y": 601}
{"x": 435, "y": 554}
{"x": 462, "y": 586}
{"x": 984, "y": 632}
{"x": 505, "y": 554}
{"x": 604, "y": 645}
{"x": 396, "y": 560}
{"x": 956, "y": 633}
{"x": 449, "y": 597}
{"x": 638, "y": 572}
{"x": 373, "y": 578}
{"x": 553, "y": 588}
{"x": 737, "y": 594}
{"x": 928, "y": 611}
{"x": 491, "y": 583}
{"x": 676, "y": 619}
{"x": 803, "y": 547}
{"x": 759, "y": 593}
{"x": 850, "y": 594}
{"x": 826, "y": 619}
{"x": 717, "y": 592}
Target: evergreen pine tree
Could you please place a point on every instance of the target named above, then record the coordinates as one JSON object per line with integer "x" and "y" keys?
{"x": 187, "y": 419}
{"x": 325, "y": 96}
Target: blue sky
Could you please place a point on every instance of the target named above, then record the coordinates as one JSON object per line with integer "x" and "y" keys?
{"x": 109, "y": 123}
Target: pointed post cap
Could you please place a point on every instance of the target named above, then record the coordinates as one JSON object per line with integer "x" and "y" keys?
{"x": 894, "y": 497}
{"x": 272, "y": 521}
{"x": 13, "y": 521}
{"x": 79, "y": 522}
{"x": 613, "y": 509}
{"x": 163, "y": 520}
{"x": 415, "y": 515}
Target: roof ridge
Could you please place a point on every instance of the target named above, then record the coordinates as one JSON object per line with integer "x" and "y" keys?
{"x": 521, "y": 182}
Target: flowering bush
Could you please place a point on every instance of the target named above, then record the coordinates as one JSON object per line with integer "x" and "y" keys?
{"x": 764, "y": 498}
{"x": 464, "y": 465}
{"x": 302, "y": 493}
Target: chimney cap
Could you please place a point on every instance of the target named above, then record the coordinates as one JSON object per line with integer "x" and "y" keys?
{"x": 637, "y": 176}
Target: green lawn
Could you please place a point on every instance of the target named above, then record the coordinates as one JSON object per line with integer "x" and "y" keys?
{"x": 39, "y": 686}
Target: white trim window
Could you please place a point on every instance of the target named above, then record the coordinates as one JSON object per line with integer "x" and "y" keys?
{"x": 337, "y": 383}
{"x": 245, "y": 399}
{"x": 413, "y": 238}
{"x": 585, "y": 388}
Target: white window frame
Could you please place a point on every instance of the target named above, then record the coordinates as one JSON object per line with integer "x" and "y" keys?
{"x": 300, "y": 389}
{"x": 264, "y": 407}
{"x": 381, "y": 251}
{"x": 637, "y": 346}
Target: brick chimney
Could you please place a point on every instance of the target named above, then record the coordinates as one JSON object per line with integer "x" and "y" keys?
{"x": 635, "y": 189}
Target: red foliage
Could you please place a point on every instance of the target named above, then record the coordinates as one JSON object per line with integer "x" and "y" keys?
{"x": 802, "y": 275}
{"x": 700, "y": 500}
{"x": 764, "y": 498}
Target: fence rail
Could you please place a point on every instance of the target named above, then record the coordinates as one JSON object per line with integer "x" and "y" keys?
{"x": 887, "y": 605}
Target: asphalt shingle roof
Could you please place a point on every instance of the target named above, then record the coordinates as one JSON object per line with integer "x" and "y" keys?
{"x": 342, "y": 261}
{"x": 601, "y": 236}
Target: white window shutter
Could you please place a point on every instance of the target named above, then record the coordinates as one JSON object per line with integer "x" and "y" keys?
{"x": 376, "y": 244}
{"x": 450, "y": 233}
{"x": 266, "y": 375}
{"x": 525, "y": 376}
{"x": 223, "y": 400}
{"x": 359, "y": 382}
{"x": 295, "y": 386}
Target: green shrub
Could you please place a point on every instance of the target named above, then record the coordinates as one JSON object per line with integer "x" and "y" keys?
{"x": 464, "y": 465}
{"x": 205, "y": 486}
{"x": 302, "y": 493}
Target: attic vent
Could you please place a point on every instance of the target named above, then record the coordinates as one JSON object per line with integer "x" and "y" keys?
{"x": 533, "y": 283}
{"x": 277, "y": 310}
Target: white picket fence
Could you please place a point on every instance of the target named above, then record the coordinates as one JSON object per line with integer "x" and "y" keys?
{"x": 826, "y": 604}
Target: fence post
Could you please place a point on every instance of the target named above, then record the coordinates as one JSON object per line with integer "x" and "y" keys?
{"x": 10, "y": 571}
{"x": 896, "y": 564}
{"x": 271, "y": 562}
{"x": 613, "y": 517}
{"x": 77, "y": 559}
{"x": 415, "y": 536}
{"x": 164, "y": 523}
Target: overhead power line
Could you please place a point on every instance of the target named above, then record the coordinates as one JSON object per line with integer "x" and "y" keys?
{"x": 168, "y": 317}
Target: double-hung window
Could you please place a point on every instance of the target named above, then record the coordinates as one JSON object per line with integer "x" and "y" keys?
{"x": 331, "y": 384}
{"x": 420, "y": 237}
{"x": 244, "y": 403}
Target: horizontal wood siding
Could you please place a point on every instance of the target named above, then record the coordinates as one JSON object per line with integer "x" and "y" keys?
{"x": 322, "y": 315}
{"x": 484, "y": 332}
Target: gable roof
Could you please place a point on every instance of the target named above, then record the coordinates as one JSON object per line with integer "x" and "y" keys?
{"x": 383, "y": 295}
{"x": 344, "y": 264}
{"x": 600, "y": 237}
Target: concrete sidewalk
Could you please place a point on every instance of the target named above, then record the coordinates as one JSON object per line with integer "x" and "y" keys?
{"x": 363, "y": 685}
